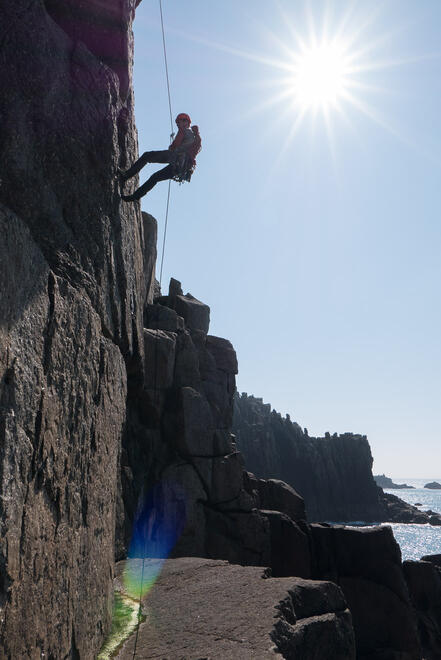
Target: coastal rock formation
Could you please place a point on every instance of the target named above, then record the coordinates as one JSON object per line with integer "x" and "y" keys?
{"x": 115, "y": 403}
{"x": 434, "y": 485}
{"x": 179, "y": 463}
{"x": 386, "y": 482}
{"x": 366, "y": 564}
{"x": 398, "y": 511}
{"x": 424, "y": 584}
{"x": 333, "y": 474}
{"x": 211, "y": 609}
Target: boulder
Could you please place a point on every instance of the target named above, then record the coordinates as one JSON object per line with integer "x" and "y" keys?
{"x": 195, "y": 313}
{"x": 239, "y": 537}
{"x": 223, "y": 353}
{"x": 366, "y": 564}
{"x": 160, "y": 317}
{"x": 424, "y": 582}
{"x": 279, "y": 496}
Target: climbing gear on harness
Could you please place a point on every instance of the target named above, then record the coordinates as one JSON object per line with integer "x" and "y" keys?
{"x": 183, "y": 167}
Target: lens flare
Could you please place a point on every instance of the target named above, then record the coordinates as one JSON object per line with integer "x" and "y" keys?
{"x": 158, "y": 526}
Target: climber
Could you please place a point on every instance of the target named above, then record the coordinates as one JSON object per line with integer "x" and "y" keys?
{"x": 180, "y": 156}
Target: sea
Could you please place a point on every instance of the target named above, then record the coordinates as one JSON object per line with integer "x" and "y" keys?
{"x": 417, "y": 540}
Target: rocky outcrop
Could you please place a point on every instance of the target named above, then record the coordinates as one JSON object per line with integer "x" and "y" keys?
{"x": 366, "y": 564}
{"x": 211, "y": 609}
{"x": 386, "y": 482}
{"x": 424, "y": 584}
{"x": 333, "y": 474}
{"x": 398, "y": 511}
{"x": 433, "y": 485}
{"x": 179, "y": 462}
{"x": 72, "y": 291}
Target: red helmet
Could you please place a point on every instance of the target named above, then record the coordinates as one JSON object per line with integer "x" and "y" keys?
{"x": 183, "y": 115}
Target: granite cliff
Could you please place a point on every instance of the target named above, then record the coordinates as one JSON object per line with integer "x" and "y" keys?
{"x": 72, "y": 290}
{"x": 116, "y": 403}
{"x": 333, "y": 474}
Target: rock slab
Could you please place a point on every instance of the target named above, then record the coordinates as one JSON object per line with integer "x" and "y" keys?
{"x": 202, "y": 608}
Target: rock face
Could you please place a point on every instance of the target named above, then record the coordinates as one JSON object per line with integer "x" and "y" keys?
{"x": 424, "y": 583}
{"x": 332, "y": 474}
{"x": 434, "y": 485}
{"x": 211, "y": 609}
{"x": 180, "y": 466}
{"x": 72, "y": 291}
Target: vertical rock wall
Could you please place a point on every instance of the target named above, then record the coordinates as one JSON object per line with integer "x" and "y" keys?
{"x": 181, "y": 472}
{"x": 72, "y": 287}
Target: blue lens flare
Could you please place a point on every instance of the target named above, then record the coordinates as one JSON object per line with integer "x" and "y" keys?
{"x": 158, "y": 525}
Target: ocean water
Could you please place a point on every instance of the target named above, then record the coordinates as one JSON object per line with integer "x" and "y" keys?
{"x": 418, "y": 540}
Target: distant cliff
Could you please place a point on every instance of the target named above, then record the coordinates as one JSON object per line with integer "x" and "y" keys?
{"x": 333, "y": 474}
{"x": 386, "y": 482}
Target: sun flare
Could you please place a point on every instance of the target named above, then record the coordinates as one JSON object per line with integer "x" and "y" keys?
{"x": 320, "y": 76}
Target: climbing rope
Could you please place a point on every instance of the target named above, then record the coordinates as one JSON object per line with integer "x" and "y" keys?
{"x": 166, "y": 68}
{"x": 160, "y": 283}
{"x": 165, "y": 234}
{"x": 164, "y": 48}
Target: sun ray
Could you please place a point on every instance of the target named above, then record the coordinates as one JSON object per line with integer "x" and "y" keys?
{"x": 324, "y": 66}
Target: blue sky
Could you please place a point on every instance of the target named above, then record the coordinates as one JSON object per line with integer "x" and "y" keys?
{"x": 314, "y": 237}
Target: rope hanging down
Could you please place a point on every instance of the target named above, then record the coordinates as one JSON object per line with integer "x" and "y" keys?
{"x": 171, "y": 135}
{"x": 160, "y": 283}
{"x": 166, "y": 68}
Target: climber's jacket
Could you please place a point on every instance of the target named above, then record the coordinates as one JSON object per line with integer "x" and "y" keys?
{"x": 183, "y": 140}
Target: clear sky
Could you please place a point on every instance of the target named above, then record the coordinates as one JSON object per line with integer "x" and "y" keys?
{"x": 312, "y": 224}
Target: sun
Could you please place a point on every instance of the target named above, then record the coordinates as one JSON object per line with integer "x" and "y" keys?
{"x": 321, "y": 76}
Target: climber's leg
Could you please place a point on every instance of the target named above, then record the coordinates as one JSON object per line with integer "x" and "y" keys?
{"x": 164, "y": 156}
{"x": 147, "y": 157}
{"x": 161, "y": 175}
{"x": 135, "y": 168}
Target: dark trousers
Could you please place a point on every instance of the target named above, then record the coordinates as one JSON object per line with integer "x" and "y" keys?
{"x": 167, "y": 172}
